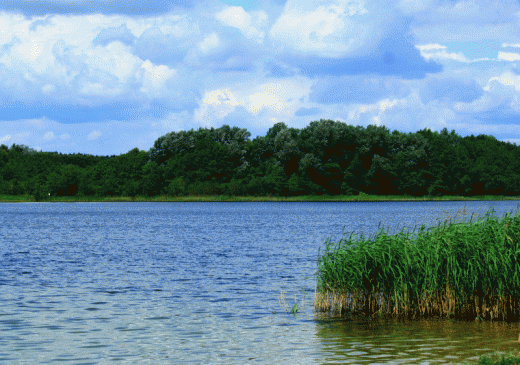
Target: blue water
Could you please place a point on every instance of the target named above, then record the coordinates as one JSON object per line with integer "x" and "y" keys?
{"x": 201, "y": 283}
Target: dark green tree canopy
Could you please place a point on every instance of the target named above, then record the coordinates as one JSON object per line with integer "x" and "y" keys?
{"x": 325, "y": 157}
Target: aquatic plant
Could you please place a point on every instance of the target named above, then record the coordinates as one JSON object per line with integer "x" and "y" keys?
{"x": 283, "y": 304}
{"x": 456, "y": 269}
{"x": 499, "y": 359}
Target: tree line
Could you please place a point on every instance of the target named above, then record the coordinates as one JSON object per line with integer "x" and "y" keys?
{"x": 326, "y": 157}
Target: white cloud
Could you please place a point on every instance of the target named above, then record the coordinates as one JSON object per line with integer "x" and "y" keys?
{"x": 506, "y": 56}
{"x": 380, "y": 108}
{"x": 211, "y": 41}
{"x": 430, "y": 47}
{"x": 94, "y": 135}
{"x": 506, "y": 79}
{"x": 59, "y": 55}
{"x": 439, "y": 52}
{"x": 279, "y": 97}
{"x": 99, "y": 89}
{"x": 216, "y": 104}
{"x": 48, "y": 89}
{"x": 251, "y": 24}
{"x": 155, "y": 77}
{"x": 218, "y": 56}
{"x": 266, "y": 99}
{"x": 331, "y": 29}
{"x": 218, "y": 97}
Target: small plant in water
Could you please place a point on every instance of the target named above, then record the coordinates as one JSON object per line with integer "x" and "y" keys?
{"x": 283, "y": 304}
{"x": 295, "y": 308}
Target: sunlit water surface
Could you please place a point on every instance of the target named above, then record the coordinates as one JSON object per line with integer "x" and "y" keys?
{"x": 161, "y": 283}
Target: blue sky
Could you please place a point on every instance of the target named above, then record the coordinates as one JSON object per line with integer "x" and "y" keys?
{"x": 104, "y": 76}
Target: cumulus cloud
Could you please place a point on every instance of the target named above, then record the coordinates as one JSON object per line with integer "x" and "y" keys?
{"x": 155, "y": 77}
{"x": 347, "y": 37}
{"x": 439, "y": 52}
{"x": 112, "y": 34}
{"x": 263, "y": 101}
{"x": 74, "y": 78}
{"x": 215, "y": 105}
{"x": 251, "y": 24}
{"x": 211, "y": 41}
{"x": 267, "y": 98}
{"x": 506, "y": 79}
{"x": 507, "y": 56}
{"x": 332, "y": 29}
{"x": 166, "y": 39}
{"x": 94, "y": 135}
{"x": 376, "y": 109}
{"x": 49, "y": 136}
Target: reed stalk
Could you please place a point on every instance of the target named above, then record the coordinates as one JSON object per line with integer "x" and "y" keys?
{"x": 458, "y": 269}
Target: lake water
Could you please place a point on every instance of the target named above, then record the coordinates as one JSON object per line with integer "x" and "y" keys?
{"x": 200, "y": 283}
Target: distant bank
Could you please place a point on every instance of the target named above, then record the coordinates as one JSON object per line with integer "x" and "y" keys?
{"x": 225, "y": 198}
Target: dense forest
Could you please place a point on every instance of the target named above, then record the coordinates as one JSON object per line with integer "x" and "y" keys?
{"x": 326, "y": 157}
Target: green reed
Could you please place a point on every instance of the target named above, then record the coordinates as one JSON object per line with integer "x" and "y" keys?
{"x": 499, "y": 359}
{"x": 462, "y": 269}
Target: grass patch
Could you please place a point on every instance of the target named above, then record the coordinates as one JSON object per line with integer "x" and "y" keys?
{"x": 458, "y": 269}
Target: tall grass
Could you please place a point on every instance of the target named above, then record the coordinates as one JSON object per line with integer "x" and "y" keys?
{"x": 499, "y": 359}
{"x": 463, "y": 269}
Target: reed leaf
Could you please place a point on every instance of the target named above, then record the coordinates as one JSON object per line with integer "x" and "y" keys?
{"x": 462, "y": 269}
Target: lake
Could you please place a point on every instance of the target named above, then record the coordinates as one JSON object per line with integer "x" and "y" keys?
{"x": 201, "y": 283}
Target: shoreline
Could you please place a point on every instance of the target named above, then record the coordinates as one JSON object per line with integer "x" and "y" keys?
{"x": 221, "y": 198}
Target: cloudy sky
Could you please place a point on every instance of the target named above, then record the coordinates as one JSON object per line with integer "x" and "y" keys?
{"x": 105, "y": 76}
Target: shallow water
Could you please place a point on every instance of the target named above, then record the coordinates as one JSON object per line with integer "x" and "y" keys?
{"x": 163, "y": 283}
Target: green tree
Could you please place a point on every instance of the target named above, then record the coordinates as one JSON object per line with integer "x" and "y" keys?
{"x": 294, "y": 185}
{"x": 177, "y": 187}
{"x": 151, "y": 179}
{"x": 276, "y": 180}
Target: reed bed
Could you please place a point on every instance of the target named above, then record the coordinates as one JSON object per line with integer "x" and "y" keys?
{"x": 499, "y": 359}
{"x": 461, "y": 269}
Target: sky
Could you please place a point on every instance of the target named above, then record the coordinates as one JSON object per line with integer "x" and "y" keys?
{"x": 102, "y": 77}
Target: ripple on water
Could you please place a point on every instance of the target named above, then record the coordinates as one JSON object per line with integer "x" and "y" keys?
{"x": 173, "y": 283}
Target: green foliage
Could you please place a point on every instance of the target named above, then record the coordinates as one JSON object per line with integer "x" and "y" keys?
{"x": 276, "y": 180}
{"x": 294, "y": 185}
{"x": 499, "y": 359}
{"x": 466, "y": 269}
{"x": 326, "y": 157}
{"x": 177, "y": 187}
{"x": 234, "y": 188}
{"x": 199, "y": 188}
